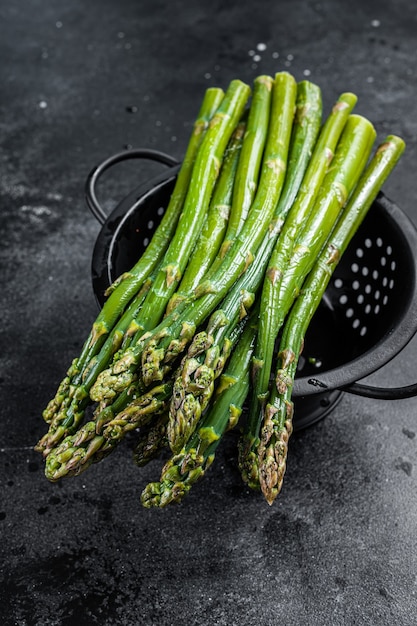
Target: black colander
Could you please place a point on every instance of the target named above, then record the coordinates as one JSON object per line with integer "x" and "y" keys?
{"x": 366, "y": 317}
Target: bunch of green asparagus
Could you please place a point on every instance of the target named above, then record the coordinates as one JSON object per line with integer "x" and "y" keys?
{"x": 212, "y": 317}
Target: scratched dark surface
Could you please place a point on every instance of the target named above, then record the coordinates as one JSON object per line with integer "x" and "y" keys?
{"x": 79, "y": 82}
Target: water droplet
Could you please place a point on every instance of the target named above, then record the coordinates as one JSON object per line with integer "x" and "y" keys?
{"x": 42, "y": 104}
{"x": 370, "y": 79}
{"x": 251, "y": 53}
{"x": 307, "y": 72}
{"x": 59, "y": 24}
{"x": 261, "y": 46}
{"x": 257, "y": 58}
{"x": 275, "y": 55}
{"x": 375, "y": 23}
{"x": 207, "y": 75}
{"x": 120, "y": 35}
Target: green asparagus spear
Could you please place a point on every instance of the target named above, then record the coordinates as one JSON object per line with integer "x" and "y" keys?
{"x": 176, "y": 335}
{"x": 161, "y": 347}
{"x": 214, "y": 228}
{"x": 277, "y": 426}
{"x": 283, "y": 281}
{"x": 204, "y": 176}
{"x": 201, "y": 183}
{"x": 192, "y": 461}
{"x": 210, "y": 348}
{"x": 247, "y": 175}
{"x": 133, "y": 282}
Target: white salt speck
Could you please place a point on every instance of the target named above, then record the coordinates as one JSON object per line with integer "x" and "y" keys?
{"x": 158, "y": 123}
{"x": 44, "y": 54}
{"x": 42, "y": 104}
{"x": 217, "y": 67}
{"x": 59, "y": 24}
{"x": 207, "y": 75}
{"x": 251, "y": 53}
{"x": 36, "y": 211}
{"x": 290, "y": 57}
{"x": 261, "y": 46}
{"x": 173, "y": 138}
{"x": 254, "y": 66}
{"x": 387, "y": 60}
{"x": 306, "y": 72}
{"x": 120, "y": 35}
{"x": 287, "y": 63}
{"x": 257, "y": 58}
{"x": 127, "y": 46}
{"x": 370, "y": 79}
{"x": 145, "y": 98}
{"x": 275, "y": 55}
{"x": 375, "y": 23}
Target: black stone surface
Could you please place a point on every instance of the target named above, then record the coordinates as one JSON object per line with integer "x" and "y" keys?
{"x": 80, "y": 81}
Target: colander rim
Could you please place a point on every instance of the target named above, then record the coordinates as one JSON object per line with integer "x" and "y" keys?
{"x": 388, "y": 346}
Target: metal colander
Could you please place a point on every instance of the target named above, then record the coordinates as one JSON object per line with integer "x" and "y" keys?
{"x": 366, "y": 317}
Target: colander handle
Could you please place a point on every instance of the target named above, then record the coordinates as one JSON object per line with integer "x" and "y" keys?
{"x": 382, "y": 393}
{"x": 125, "y": 155}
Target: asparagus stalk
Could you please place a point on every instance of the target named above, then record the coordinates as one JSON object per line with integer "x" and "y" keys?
{"x": 174, "y": 336}
{"x": 162, "y": 347}
{"x": 214, "y": 228}
{"x": 210, "y": 348}
{"x": 277, "y": 426}
{"x": 247, "y": 175}
{"x": 133, "y": 281}
{"x": 204, "y": 176}
{"x": 192, "y": 461}
{"x": 283, "y": 280}
{"x": 201, "y": 182}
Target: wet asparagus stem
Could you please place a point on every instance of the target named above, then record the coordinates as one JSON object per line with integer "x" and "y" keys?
{"x": 244, "y": 185}
{"x": 277, "y": 426}
{"x": 170, "y": 338}
{"x": 283, "y": 282}
{"x": 200, "y": 185}
{"x": 121, "y": 294}
{"x": 250, "y": 163}
{"x": 203, "y": 180}
{"x": 190, "y": 464}
{"x": 215, "y": 226}
{"x": 161, "y": 348}
{"x": 211, "y": 347}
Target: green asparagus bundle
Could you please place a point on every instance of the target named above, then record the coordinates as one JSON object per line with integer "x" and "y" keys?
{"x": 277, "y": 424}
{"x": 192, "y": 461}
{"x": 211, "y": 347}
{"x": 265, "y": 203}
{"x": 192, "y": 198}
{"x": 289, "y": 267}
{"x": 123, "y": 374}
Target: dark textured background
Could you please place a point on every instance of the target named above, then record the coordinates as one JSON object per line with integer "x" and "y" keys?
{"x": 78, "y": 82}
